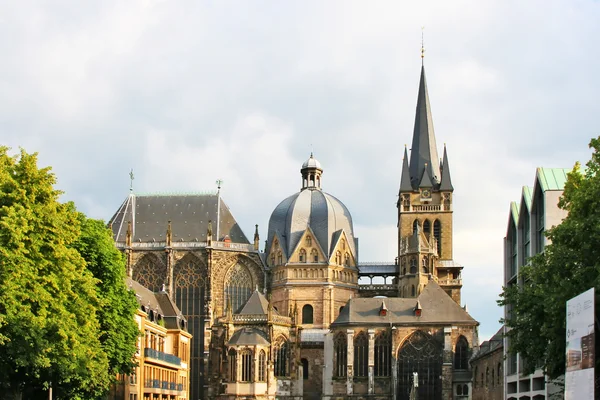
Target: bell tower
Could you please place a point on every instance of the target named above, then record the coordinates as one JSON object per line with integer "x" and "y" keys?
{"x": 425, "y": 211}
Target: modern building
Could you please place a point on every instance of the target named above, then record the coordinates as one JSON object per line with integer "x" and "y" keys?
{"x": 488, "y": 372}
{"x": 293, "y": 321}
{"x": 163, "y": 351}
{"x": 528, "y": 220}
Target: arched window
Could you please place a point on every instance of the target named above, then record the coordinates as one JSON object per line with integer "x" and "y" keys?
{"x": 247, "y": 361}
{"x": 279, "y": 258}
{"x": 487, "y": 376}
{"x": 262, "y": 366}
{"x": 150, "y": 272}
{"x": 413, "y": 265}
{"x": 272, "y": 259}
{"x": 461, "y": 354}
{"x": 465, "y": 390}
{"x": 416, "y": 224}
{"x": 282, "y": 358}
{"x": 340, "y": 358}
{"x": 302, "y": 255}
{"x": 493, "y": 376}
{"x": 315, "y": 255}
{"x": 238, "y": 287}
{"x": 347, "y": 259}
{"x": 413, "y": 291}
{"x": 459, "y": 390}
{"x": 437, "y": 233}
{"x": 420, "y": 353}
{"x": 427, "y": 226}
{"x": 308, "y": 241}
{"x": 304, "y": 362}
{"x": 343, "y": 244}
{"x": 499, "y": 372}
{"x": 338, "y": 258}
{"x": 307, "y": 314}
{"x": 232, "y": 366}
{"x": 361, "y": 355}
{"x": 383, "y": 354}
{"x": 425, "y": 266}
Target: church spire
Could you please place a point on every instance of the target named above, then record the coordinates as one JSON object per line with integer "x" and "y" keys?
{"x": 446, "y": 183}
{"x": 405, "y": 185}
{"x": 423, "y": 153}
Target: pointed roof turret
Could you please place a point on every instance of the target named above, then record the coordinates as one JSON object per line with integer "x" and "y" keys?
{"x": 405, "y": 185}
{"x": 446, "y": 183}
{"x": 425, "y": 179}
{"x": 424, "y": 150}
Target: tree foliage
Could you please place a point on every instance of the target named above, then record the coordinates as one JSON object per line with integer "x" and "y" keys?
{"x": 569, "y": 265}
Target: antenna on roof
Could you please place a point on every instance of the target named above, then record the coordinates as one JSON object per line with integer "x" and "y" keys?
{"x": 131, "y": 178}
{"x": 422, "y": 45}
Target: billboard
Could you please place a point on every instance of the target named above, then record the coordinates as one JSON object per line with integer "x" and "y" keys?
{"x": 579, "y": 377}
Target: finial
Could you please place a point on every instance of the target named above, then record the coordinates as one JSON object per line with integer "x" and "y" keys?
{"x": 219, "y": 182}
{"x": 131, "y": 178}
{"x": 422, "y": 45}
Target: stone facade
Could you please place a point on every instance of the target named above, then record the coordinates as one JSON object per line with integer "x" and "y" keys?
{"x": 488, "y": 370}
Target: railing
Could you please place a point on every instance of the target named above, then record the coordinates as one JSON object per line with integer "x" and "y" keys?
{"x": 162, "y": 244}
{"x": 249, "y": 317}
{"x": 427, "y": 207}
{"x": 377, "y": 287}
{"x": 450, "y": 282}
{"x": 164, "y": 385}
{"x": 159, "y": 355}
{"x": 280, "y": 319}
{"x": 233, "y": 246}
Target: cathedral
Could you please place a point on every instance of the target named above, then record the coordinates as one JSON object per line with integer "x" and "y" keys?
{"x": 301, "y": 318}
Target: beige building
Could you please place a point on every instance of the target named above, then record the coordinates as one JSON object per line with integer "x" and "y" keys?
{"x": 163, "y": 351}
{"x": 297, "y": 320}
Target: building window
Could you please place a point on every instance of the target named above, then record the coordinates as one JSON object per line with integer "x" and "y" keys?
{"x": 307, "y": 314}
{"x": 425, "y": 268}
{"x": 282, "y": 358}
{"x": 420, "y": 353}
{"x": 427, "y": 226}
{"x": 413, "y": 265}
{"x": 262, "y": 366}
{"x": 461, "y": 354}
{"x": 525, "y": 235}
{"x": 232, "y": 366}
{"x": 338, "y": 258}
{"x": 513, "y": 246}
{"x": 347, "y": 259}
{"x": 413, "y": 291}
{"x": 437, "y": 234}
{"x": 341, "y": 354}
{"x": 487, "y": 376}
{"x": 383, "y": 354}
{"x": 279, "y": 258}
{"x": 304, "y": 362}
{"x": 315, "y": 255}
{"x": 361, "y": 355}
{"x": 302, "y": 256}
{"x": 247, "y": 365}
{"x": 238, "y": 287}
{"x": 499, "y": 372}
{"x": 308, "y": 241}
{"x": 416, "y": 225}
{"x": 539, "y": 222}
{"x": 493, "y": 376}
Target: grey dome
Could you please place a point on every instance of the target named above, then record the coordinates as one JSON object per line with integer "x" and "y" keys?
{"x": 326, "y": 216}
{"x": 312, "y": 163}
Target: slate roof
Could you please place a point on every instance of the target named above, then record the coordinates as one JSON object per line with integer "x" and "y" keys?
{"x": 405, "y": 183}
{"x": 248, "y": 337}
{"x": 159, "y": 302}
{"x": 256, "y": 304}
{"x": 496, "y": 342}
{"x": 437, "y": 308}
{"x": 446, "y": 183}
{"x": 189, "y": 215}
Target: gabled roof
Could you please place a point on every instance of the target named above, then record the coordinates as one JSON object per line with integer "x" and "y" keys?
{"x": 496, "y": 342}
{"x": 256, "y": 304}
{"x": 552, "y": 178}
{"x": 424, "y": 149}
{"x": 159, "y": 302}
{"x": 425, "y": 180}
{"x": 189, "y": 215}
{"x": 526, "y": 197}
{"x": 437, "y": 308}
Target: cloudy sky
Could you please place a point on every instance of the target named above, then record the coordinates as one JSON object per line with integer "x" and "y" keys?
{"x": 185, "y": 92}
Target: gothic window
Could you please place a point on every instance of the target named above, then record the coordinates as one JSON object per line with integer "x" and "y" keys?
{"x": 416, "y": 224}
{"x": 308, "y": 241}
{"x": 279, "y": 258}
{"x": 361, "y": 355}
{"x": 487, "y": 376}
{"x": 238, "y": 287}
{"x": 340, "y": 358}
{"x": 232, "y": 366}
{"x": 437, "y": 233}
{"x": 492, "y": 375}
{"x": 302, "y": 256}
{"x": 272, "y": 259}
{"x": 420, "y": 353}
{"x": 343, "y": 244}
{"x": 383, "y": 354}
{"x": 282, "y": 358}
{"x": 247, "y": 360}
{"x": 262, "y": 366}
{"x": 465, "y": 390}
{"x": 425, "y": 268}
{"x": 426, "y": 226}
{"x": 315, "y": 255}
{"x": 413, "y": 265}
{"x": 347, "y": 259}
{"x": 307, "y": 314}
{"x": 304, "y": 362}
{"x": 338, "y": 258}
{"x": 461, "y": 354}
{"x": 151, "y": 273}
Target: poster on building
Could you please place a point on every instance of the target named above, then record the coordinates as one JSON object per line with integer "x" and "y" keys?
{"x": 579, "y": 378}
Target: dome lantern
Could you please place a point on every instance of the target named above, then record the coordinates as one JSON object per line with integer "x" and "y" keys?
{"x": 311, "y": 173}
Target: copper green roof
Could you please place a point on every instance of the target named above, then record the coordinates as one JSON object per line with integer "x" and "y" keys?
{"x": 514, "y": 211}
{"x": 552, "y": 178}
{"x": 527, "y": 196}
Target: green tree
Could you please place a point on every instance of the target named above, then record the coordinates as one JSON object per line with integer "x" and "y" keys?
{"x": 119, "y": 331}
{"x": 569, "y": 265}
{"x": 49, "y": 332}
